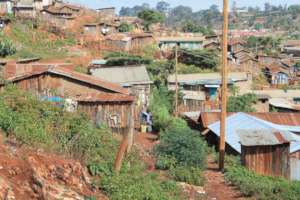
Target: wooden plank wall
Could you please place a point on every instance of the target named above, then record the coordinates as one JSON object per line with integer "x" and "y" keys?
{"x": 116, "y": 115}
{"x": 267, "y": 160}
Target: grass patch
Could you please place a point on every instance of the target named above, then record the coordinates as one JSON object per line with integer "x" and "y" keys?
{"x": 33, "y": 42}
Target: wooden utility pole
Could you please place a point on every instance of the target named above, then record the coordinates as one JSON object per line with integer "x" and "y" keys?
{"x": 131, "y": 128}
{"x": 127, "y": 141}
{"x": 120, "y": 154}
{"x": 224, "y": 86}
{"x": 176, "y": 80}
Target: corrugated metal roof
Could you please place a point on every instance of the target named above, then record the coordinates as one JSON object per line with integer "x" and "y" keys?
{"x": 211, "y": 78}
{"x": 283, "y": 119}
{"x": 113, "y": 97}
{"x": 277, "y": 93}
{"x": 244, "y": 121}
{"x": 124, "y": 75}
{"x": 262, "y": 137}
{"x": 36, "y": 69}
{"x": 283, "y": 103}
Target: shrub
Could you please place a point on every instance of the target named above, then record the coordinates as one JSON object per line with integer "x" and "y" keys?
{"x": 261, "y": 187}
{"x": 184, "y": 145}
{"x": 39, "y": 123}
{"x": 7, "y": 47}
{"x": 190, "y": 175}
{"x": 165, "y": 162}
{"x": 133, "y": 183}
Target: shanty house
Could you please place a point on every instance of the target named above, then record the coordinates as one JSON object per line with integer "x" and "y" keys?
{"x": 58, "y": 16}
{"x": 126, "y": 42}
{"x": 242, "y": 121}
{"x": 235, "y": 45}
{"x": 104, "y": 102}
{"x": 266, "y": 151}
{"x": 135, "y": 78}
{"x": 6, "y": 6}
{"x": 201, "y": 92}
{"x": 277, "y": 73}
{"x": 106, "y": 13}
{"x": 281, "y": 100}
{"x": 192, "y": 42}
{"x": 24, "y": 10}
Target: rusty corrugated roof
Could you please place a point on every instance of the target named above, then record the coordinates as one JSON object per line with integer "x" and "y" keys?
{"x": 36, "y": 69}
{"x": 287, "y": 119}
{"x": 106, "y": 97}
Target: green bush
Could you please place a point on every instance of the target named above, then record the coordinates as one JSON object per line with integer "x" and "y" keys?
{"x": 133, "y": 183}
{"x": 261, "y": 187}
{"x": 39, "y": 123}
{"x": 165, "y": 162}
{"x": 123, "y": 59}
{"x": 7, "y": 47}
{"x": 184, "y": 144}
{"x": 190, "y": 175}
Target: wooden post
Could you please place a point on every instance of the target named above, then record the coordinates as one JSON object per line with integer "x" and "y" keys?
{"x": 131, "y": 128}
{"x": 176, "y": 80}
{"x": 127, "y": 141}
{"x": 224, "y": 86}
{"x": 120, "y": 154}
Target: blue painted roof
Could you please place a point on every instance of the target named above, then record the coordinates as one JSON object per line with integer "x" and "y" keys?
{"x": 242, "y": 121}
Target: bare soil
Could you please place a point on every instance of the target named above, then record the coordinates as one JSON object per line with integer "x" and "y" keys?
{"x": 215, "y": 186}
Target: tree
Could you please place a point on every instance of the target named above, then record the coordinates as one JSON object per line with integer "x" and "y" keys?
{"x": 125, "y": 27}
{"x": 242, "y": 103}
{"x": 258, "y": 26}
{"x": 127, "y": 11}
{"x": 191, "y": 27}
{"x": 163, "y": 7}
{"x": 202, "y": 58}
{"x": 7, "y": 48}
{"x": 150, "y": 17}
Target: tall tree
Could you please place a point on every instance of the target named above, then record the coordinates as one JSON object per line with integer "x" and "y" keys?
{"x": 163, "y": 7}
{"x": 150, "y": 17}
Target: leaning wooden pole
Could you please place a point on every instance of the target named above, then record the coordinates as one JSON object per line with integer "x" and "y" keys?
{"x": 127, "y": 141}
{"x": 121, "y": 154}
{"x": 176, "y": 80}
{"x": 131, "y": 128}
{"x": 224, "y": 86}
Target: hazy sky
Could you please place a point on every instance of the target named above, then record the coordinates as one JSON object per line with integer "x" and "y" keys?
{"x": 195, "y": 4}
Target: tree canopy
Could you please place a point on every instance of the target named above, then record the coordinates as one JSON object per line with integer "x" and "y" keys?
{"x": 242, "y": 103}
{"x": 202, "y": 58}
{"x": 150, "y": 17}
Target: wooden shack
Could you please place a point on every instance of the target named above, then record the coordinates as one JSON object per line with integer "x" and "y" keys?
{"x": 104, "y": 102}
{"x": 266, "y": 152}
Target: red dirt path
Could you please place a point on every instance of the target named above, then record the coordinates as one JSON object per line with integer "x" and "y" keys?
{"x": 215, "y": 186}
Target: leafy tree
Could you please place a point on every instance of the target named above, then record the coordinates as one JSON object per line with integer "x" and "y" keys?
{"x": 242, "y": 103}
{"x": 162, "y": 6}
{"x": 159, "y": 71}
{"x": 183, "y": 144}
{"x": 6, "y": 46}
{"x": 122, "y": 59}
{"x": 125, "y": 27}
{"x": 297, "y": 65}
{"x": 202, "y": 58}
{"x": 127, "y": 11}
{"x": 191, "y": 27}
{"x": 258, "y": 26}
{"x": 150, "y": 17}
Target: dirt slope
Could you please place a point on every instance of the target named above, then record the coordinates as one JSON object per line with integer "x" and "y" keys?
{"x": 28, "y": 174}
